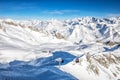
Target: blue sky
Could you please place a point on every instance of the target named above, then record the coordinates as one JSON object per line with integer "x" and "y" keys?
{"x": 60, "y": 9}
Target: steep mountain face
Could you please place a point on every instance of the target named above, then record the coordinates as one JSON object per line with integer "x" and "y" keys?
{"x": 96, "y": 67}
{"x": 96, "y": 29}
{"x": 95, "y": 42}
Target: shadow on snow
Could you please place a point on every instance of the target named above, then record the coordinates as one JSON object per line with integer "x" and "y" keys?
{"x": 45, "y": 69}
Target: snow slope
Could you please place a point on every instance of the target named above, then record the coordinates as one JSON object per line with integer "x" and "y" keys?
{"x": 33, "y": 46}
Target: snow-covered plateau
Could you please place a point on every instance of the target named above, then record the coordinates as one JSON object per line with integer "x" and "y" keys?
{"x": 76, "y": 49}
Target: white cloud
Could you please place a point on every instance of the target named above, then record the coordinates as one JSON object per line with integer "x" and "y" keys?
{"x": 22, "y": 7}
{"x": 59, "y": 12}
{"x": 56, "y": 12}
{"x": 113, "y": 15}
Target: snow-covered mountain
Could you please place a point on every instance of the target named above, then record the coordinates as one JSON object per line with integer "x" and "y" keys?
{"x": 80, "y": 29}
{"x": 29, "y": 43}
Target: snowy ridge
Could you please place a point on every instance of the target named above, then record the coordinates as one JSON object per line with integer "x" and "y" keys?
{"x": 88, "y": 27}
{"x": 29, "y": 43}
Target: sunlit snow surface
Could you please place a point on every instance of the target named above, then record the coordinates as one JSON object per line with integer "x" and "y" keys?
{"x": 29, "y": 49}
